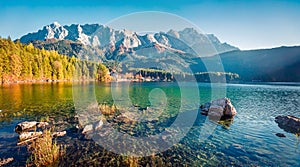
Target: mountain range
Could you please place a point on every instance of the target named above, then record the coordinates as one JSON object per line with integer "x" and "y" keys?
{"x": 95, "y": 36}
{"x": 178, "y": 51}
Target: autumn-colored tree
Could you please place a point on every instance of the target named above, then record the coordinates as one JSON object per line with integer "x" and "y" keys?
{"x": 103, "y": 73}
{"x": 25, "y": 62}
{"x": 15, "y": 66}
{"x": 57, "y": 70}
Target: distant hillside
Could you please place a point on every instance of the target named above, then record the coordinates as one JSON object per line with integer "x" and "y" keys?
{"x": 267, "y": 65}
{"x": 70, "y": 48}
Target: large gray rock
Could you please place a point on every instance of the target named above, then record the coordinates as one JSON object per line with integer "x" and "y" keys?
{"x": 24, "y": 126}
{"x": 220, "y": 109}
{"x": 289, "y": 123}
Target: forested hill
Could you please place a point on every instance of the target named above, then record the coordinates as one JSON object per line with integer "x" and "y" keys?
{"x": 266, "y": 65}
{"x": 19, "y": 62}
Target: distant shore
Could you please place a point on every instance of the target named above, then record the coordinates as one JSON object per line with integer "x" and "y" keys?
{"x": 140, "y": 81}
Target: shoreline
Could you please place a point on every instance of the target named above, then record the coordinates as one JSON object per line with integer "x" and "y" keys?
{"x": 288, "y": 83}
{"x": 44, "y": 81}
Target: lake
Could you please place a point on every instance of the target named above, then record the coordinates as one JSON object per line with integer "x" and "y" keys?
{"x": 249, "y": 140}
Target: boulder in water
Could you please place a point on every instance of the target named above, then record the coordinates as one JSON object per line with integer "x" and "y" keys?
{"x": 220, "y": 109}
{"x": 24, "y": 126}
{"x": 289, "y": 123}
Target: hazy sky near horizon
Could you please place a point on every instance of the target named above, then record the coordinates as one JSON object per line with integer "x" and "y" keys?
{"x": 246, "y": 24}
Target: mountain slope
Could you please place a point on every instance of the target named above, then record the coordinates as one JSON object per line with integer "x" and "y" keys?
{"x": 203, "y": 44}
{"x": 277, "y": 64}
{"x": 70, "y": 48}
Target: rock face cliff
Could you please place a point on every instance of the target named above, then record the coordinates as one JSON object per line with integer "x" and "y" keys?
{"x": 126, "y": 41}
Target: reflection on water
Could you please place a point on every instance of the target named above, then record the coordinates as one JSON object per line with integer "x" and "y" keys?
{"x": 249, "y": 140}
{"x": 27, "y": 101}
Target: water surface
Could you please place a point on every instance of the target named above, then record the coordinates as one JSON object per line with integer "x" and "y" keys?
{"x": 249, "y": 140}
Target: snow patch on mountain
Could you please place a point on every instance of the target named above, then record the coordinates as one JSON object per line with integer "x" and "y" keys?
{"x": 83, "y": 38}
{"x": 105, "y": 38}
{"x": 55, "y": 30}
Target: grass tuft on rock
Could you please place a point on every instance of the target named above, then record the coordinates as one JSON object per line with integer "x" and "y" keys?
{"x": 44, "y": 151}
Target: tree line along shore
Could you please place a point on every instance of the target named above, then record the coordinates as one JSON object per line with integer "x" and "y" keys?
{"x": 25, "y": 63}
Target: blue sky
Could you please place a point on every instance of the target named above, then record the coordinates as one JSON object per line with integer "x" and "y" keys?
{"x": 245, "y": 24}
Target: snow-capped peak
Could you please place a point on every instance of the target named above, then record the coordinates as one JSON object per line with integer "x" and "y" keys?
{"x": 104, "y": 37}
{"x": 55, "y": 30}
{"x": 56, "y": 24}
{"x": 151, "y": 38}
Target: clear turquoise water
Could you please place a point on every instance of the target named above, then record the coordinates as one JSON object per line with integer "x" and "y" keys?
{"x": 249, "y": 141}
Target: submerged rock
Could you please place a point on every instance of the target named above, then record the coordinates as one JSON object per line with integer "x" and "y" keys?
{"x": 280, "y": 135}
{"x": 5, "y": 161}
{"x": 98, "y": 125}
{"x": 289, "y": 123}
{"x": 92, "y": 127}
{"x": 87, "y": 128}
{"x": 220, "y": 108}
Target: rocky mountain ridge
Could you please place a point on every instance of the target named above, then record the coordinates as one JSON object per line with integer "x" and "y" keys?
{"x": 108, "y": 39}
